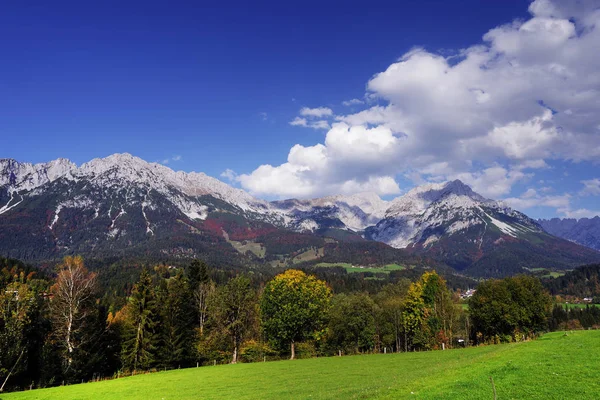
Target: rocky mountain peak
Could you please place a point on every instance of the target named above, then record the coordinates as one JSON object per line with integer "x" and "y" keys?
{"x": 27, "y": 176}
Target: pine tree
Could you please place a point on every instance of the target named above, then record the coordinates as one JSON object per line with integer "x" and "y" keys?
{"x": 140, "y": 323}
{"x": 177, "y": 323}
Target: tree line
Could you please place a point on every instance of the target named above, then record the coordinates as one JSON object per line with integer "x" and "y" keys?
{"x": 60, "y": 330}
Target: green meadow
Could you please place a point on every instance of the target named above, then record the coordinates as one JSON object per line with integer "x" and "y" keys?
{"x": 556, "y": 366}
{"x": 386, "y": 269}
{"x": 578, "y": 305}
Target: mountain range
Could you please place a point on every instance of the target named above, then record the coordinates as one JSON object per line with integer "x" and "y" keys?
{"x": 123, "y": 206}
{"x": 585, "y": 231}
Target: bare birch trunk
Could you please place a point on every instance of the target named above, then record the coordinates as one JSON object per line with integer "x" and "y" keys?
{"x": 293, "y": 357}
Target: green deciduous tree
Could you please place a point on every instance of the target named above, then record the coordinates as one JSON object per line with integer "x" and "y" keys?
{"x": 390, "y": 318}
{"x": 509, "y": 308}
{"x": 232, "y": 311}
{"x": 430, "y": 313}
{"x": 293, "y": 307}
{"x": 352, "y": 322}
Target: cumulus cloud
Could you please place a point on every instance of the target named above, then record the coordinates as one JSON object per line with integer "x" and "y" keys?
{"x": 348, "y": 162}
{"x": 318, "y": 112}
{"x": 490, "y": 115}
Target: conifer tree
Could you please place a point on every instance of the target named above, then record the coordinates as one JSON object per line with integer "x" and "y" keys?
{"x": 140, "y": 322}
{"x": 177, "y": 320}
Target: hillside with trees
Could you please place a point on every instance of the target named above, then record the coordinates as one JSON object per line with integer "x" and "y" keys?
{"x": 61, "y": 326}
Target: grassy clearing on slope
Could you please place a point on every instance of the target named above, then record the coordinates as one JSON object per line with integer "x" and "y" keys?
{"x": 258, "y": 249}
{"x": 553, "y": 367}
{"x": 578, "y": 305}
{"x": 309, "y": 255}
{"x": 386, "y": 269}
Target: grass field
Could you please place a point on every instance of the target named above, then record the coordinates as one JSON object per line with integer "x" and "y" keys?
{"x": 549, "y": 274}
{"x": 578, "y": 305}
{"x": 465, "y": 306}
{"x": 386, "y": 269}
{"x": 309, "y": 255}
{"x": 553, "y": 367}
{"x": 256, "y": 248}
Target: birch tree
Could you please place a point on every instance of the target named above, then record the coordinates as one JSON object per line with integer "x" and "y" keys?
{"x": 71, "y": 305}
{"x": 202, "y": 289}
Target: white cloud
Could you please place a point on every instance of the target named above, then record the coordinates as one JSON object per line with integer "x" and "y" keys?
{"x": 493, "y": 182}
{"x": 318, "y": 112}
{"x": 529, "y": 93}
{"x": 352, "y": 102}
{"x": 319, "y": 124}
{"x": 376, "y": 115}
{"x": 530, "y": 198}
{"x": 229, "y": 174}
{"x": 348, "y": 161}
{"x": 299, "y": 122}
{"x": 591, "y": 187}
{"x": 264, "y": 116}
{"x": 529, "y": 193}
{"x": 532, "y": 164}
{"x": 173, "y": 158}
{"x": 580, "y": 213}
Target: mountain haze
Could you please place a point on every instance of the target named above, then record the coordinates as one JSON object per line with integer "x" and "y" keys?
{"x": 585, "y": 231}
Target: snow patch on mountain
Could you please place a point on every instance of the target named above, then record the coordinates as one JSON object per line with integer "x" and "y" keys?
{"x": 11, "y": 204}
{"x": 504, "y": 228}
{"x": 462, "y": 224}
{"x": 56, "y": 214}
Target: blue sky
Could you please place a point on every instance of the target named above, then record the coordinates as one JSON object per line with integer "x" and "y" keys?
{"x": 214, "y": 87}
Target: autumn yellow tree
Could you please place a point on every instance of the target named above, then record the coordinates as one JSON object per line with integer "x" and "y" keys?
{"x": 17, "y": 306}
{"x": 430, "y": 314}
